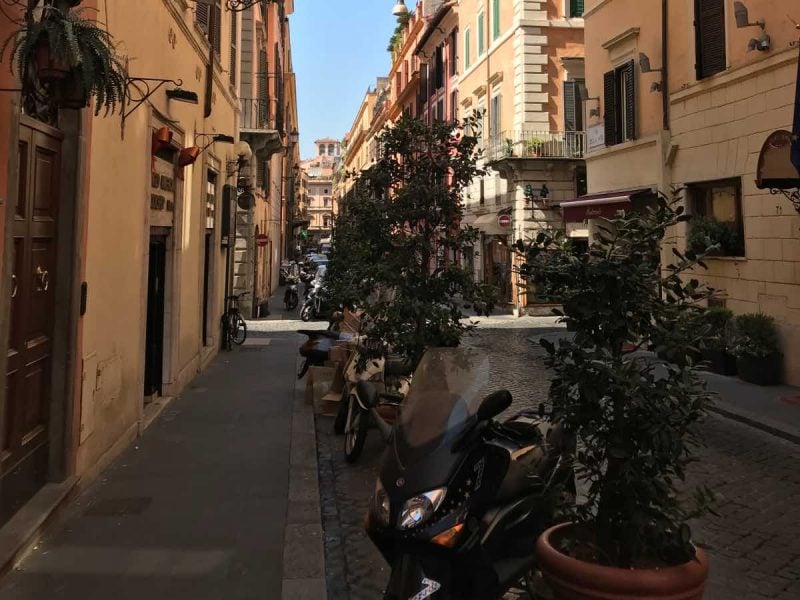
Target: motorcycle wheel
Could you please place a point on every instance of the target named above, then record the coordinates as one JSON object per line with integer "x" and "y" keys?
{"x": 355, "y": 430}
{"x": 305, "y": 314}
{"x": 292, "y": 304}
{"x": 341, "y": 414}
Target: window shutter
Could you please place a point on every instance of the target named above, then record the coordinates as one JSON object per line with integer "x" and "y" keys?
{"x": 629, "y": 71}
{"x": 610, "y": 100}
{"x": 481, "y": 34}
{"x": 576, "y": 8}
{"x": 216, "y": 38}
{"x": 467, "y": 58}
{"x": 570, "y": 116}
{"x": 234, "y": 34}
{"x": 201, "y": 16}
{"x": 495, "y": 19}
{"x": 709, "y": 37}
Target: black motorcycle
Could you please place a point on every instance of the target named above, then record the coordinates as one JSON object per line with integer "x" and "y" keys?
{"x": 291, "y": 297}
{"x": 461, "y": 498}
{"x": 317, "y": 304}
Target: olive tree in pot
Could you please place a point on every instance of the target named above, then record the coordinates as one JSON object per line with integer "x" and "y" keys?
{"x": 757, "y": 349}
{"x": 73, "y": 54}
{"x": 635, "y": 420}
{"x": 400, "y": 233}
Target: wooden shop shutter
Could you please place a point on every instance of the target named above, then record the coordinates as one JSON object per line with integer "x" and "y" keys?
{"x": 610, "y": 101}
{"x": 709, "y": 37}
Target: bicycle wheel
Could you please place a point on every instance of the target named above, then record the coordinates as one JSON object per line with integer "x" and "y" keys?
{"x": 239, "y": 333}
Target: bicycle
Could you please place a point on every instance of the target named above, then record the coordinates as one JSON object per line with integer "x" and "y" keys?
{"x": 234, "y": 328}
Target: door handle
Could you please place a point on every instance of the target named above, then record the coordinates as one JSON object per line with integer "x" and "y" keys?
{"x": 44, "y": 279}
{"x": 14, "y": 286}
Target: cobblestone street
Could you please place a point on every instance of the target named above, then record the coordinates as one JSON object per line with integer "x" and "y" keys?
{"x": 754, "y": 544}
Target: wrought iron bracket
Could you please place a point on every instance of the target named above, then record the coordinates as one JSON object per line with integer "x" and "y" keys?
{"x": 242, "y": 5}
{"x": 151, "y": 85}
{"x": 792, "y": 195}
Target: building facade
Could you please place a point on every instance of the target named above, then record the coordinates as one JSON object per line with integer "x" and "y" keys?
{"x": 319, "y": 196}
{"x": 521, "y": 68}
{"x": 700, "y": 128}
{"x": 118, "y": 254}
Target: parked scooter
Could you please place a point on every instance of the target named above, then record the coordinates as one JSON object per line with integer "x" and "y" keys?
{"x": 461, "y": 498}
{"x": 291, "y": 297}
{"x": 316, "y": 305}
{"x": 316, "y": 349}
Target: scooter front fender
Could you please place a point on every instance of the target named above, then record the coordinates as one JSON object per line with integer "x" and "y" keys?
{"x": 413, "y": 579}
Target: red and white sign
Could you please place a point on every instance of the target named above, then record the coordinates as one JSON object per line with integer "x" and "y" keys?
{"x": 504, "y": 221}
{"x": 262, "y": 239}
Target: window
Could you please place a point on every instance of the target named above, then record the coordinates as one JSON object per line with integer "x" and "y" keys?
{"x": 496, "y": 19}
{"x": 575, "y": 8}
{"x": 209, "y": 18}
{"x": 619, "y": 87}
{"x": 717, "y": 208}
{"x": 440, "y": 110}
{"x": 709, "y": 23}
{"x": 467, "y": 48}
{"x": 453, "y": 56}
{"x": 454, "y": 105}
{"x": 573, "y": 107}
{"x": 481, "y": 34}
{"x": 234, "y": 34}
{"x": 326, "y": 221}
{"x": 494, "y": 117}
{"x": 482, "y": 197}
{"x": 326, "y": 202}
{"x": 439, "y": 68}
{"x": 331, "y": 150}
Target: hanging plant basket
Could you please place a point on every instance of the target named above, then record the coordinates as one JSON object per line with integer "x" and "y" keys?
{"x": 72, "y": 51}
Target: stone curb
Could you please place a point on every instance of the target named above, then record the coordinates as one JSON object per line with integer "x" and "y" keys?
{"x": 303, "y": 552}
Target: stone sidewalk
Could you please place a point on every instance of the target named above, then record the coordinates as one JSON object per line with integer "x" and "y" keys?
{"x": 203, "y": 505}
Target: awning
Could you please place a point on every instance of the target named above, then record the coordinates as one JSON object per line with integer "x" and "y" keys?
{"x": 606, "y": 205}
{"x": 488, "y": 224}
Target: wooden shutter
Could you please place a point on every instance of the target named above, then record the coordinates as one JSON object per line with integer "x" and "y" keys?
{"x": 201, "y": 16}
{"x": 216, "y": 35}
{"x": 709, "y": 37}
{"x": 234, "y": 52}
{"x": 628, "y": 72}
{"x": 576, "y": 8}
{"x": 570, "y": 112}
{"x": 495, "y": 19}
{"x": 610, "y": 101}
{"x": 467, "y": 58}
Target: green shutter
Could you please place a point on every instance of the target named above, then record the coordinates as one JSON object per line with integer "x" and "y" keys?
{"x": 576, "y": 8}
{"x": 481, "y": 34}
{"x": 495, "y": 19}
{"x": 467, "y": 47}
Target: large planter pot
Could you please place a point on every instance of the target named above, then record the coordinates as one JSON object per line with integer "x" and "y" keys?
{"x": 720, "y": 362}
{"x": 572, "y": 579}
{"x": 761, "y": 370}
{"x": 48, "y": 66}
{"x": 71, "y": 93}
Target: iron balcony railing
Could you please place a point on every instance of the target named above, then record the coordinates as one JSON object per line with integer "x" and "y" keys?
{"x": 258, "y": 114}
{"x": 536, "y": 144}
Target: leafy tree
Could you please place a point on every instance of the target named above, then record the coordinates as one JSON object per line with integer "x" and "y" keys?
{"x": 398, "y": 240}
{"x": 635, "y": 420}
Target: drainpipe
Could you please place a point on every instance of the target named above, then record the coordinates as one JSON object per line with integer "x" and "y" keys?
{"x": 664, "y": 64}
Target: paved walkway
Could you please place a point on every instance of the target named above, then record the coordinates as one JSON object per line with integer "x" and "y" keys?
{"x": 202, "y": 506}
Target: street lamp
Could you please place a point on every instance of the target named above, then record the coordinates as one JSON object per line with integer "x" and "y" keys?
{"x": 400, "y": 9}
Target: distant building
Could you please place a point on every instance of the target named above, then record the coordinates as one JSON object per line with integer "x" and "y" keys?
{"x": 317, "y": 189}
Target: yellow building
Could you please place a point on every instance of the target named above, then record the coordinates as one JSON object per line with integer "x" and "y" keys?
{"x": 359, "y": 151}
{"x": 521, "y": 67}
{"x": 727, "y": 87}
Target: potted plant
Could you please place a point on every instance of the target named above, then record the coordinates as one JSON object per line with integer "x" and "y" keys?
{"x": 509, "y": 147}
{"x": 635, "y": 421}
{"x": 74, "y": 51}
{"x": 717, "y": 350}
{"x": 534, "y": 146}
{"x": 715, "y": 238}
{"x": 757, "y": 349}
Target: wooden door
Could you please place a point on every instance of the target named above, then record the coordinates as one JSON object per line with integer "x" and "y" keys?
{"x": 156, "y": 298}
{"x": 23, "y": 460}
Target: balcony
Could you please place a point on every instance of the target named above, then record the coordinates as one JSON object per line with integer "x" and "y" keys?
{"x": 258, "y": 125}
{"x": 561, "y": 145}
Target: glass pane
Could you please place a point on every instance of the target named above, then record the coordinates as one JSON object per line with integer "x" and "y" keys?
{"x": 723, "y": 203}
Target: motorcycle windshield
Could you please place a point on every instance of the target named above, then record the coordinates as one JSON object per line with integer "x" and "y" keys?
{"x": 446, "y": 392}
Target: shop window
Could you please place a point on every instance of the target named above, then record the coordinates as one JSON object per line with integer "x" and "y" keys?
{"x": 709, "y": 24}
{"x": 717, "y": 217}
{"x": 619, "y": 88}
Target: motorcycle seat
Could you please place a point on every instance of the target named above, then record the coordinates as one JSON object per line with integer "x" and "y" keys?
{"x": 522, "y": 432}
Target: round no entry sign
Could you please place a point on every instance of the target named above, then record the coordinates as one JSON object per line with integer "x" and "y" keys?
{"x": 504, "y": 221}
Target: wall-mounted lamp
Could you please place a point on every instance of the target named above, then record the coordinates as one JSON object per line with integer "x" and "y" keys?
{"x": 646, "y": 67}
{"x": 181, "y": 95}
{"x": 762, "y": 43}
{"x": 400, "y": 9}
{"x": 531, "y": 195}
{"x": 243, "y": 155}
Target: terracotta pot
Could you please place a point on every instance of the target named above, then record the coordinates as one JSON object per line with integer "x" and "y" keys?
{"x": 71, "y": 93}
{"x": 161, "y": 139}
{"x": 573, "y": 579}
{"x": 49, "y": 67}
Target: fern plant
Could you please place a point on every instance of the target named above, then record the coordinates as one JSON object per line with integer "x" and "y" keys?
{"x": 80, "y": 47}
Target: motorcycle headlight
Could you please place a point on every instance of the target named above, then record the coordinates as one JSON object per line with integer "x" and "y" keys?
{"x": 381, "y": 503}
{"x": 419, "y": 509}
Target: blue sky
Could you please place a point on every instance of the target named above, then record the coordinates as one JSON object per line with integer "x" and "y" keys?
{"x": 338, "y": 50}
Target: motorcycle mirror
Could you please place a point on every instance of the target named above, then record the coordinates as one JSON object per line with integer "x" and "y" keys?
{"x": 494, "y": 404}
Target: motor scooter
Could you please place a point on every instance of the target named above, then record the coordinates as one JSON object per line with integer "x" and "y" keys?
{"x": 291, "y": 297}
{"x": 462, "y": 497}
